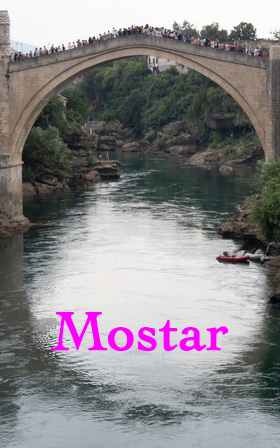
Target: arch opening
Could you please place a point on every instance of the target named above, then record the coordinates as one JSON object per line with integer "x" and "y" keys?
{"x": 64, "y": 76}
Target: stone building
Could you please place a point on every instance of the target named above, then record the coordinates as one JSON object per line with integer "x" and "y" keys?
{"x": 158, "y": 64}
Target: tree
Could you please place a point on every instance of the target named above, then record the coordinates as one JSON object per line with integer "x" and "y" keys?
{"x": 276, "y": 34}
{"x": 186, "y": 28}
{"x": 243, "y": 31}
{"x": 213, "y": 32}
{"x": 45, "y": 147}
{"x": 52, "y": 115}
{"x": 131, "y": 109}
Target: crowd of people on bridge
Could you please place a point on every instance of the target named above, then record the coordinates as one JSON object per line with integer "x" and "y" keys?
{"x": 149, "y": 31}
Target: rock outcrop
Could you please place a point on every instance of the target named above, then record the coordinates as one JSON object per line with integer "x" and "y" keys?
{"x": 241, "y": 226}
{"x": 230, "y": 158}
{"x": 102, "y": 170}
{"x": 131, "y": 147}
{"x": 13, "y": 226}
{"x": 106, "y": 143}
{"x": 225, "y": 170}
{"x": 174, "y": 128}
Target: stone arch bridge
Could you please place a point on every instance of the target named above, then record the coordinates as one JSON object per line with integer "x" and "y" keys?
{"x": 27, "y": 86}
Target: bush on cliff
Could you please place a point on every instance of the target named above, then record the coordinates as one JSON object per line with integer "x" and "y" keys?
{"x": 266, "y": 211}
{"x": 45, "y": 147}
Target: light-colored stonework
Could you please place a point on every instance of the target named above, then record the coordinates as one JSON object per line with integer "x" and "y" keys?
{"x": 27, "y": 86}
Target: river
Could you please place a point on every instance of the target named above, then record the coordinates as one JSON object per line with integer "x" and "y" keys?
{"x": 141, "y": 250}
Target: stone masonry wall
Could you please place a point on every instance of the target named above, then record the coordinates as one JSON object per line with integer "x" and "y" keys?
{"x": 273, "y": 103}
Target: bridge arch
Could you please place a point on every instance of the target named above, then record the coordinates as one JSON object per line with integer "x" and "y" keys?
{"x": 68, "y": 65}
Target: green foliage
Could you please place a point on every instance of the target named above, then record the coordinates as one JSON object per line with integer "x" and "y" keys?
{"x": 266, "y": 211}
{"x": 77, "y": 110}
{"x": 161, "y": 143}
{"x": 60, "y": 174}
{"x": 276, "y": 34}
{"x": 45, "y": 147}
{"x": 150, "y": 135}
{"x": 243, "y": 31}
{"x": 91, "y": 160}
{"x": 141, "y": 101}
{"x": 215, "y": 138}
{"x": 186, "y": 28}
{"x": 213, "y": 32}
{"x": 268, "y": 171}
{"x": 212, "y": 94}
{"x": 28, "y": 175}
{"x": 130, "y": 110}
{"x": 52, "y": 115}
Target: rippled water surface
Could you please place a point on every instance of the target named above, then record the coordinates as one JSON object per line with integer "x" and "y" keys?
{"x": 140, "y": 250}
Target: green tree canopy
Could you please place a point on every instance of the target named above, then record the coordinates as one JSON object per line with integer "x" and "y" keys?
{"x": 45, "y": 146}
{"x": 213, "y": 32}
{"x": 276, "y": 34}
{"x": 186, "y": 28}
{"x": 243, "y": 31}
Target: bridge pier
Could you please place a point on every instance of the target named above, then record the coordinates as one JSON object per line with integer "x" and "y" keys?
{"x": 273, "y": 104}
{"x": 11, "y": 217}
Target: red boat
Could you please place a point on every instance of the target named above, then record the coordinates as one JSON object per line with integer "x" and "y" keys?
{"x": 231, "y": 258}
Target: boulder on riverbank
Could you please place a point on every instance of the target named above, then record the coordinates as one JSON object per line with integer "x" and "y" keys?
{"x": 8, "y": 228}
{"x": 225, "y": 170}
{"x": 131, "y": 147}
{"x": 108, "y": 169}
{"x": 206, "y": 159}
{"x": 181, "y": 150}
{"x": 102, "y": 170}
{"x": 28, "y": 190}
{"x": 274, "y": 267}
{"x": 241, "y": 226}
{"x": 106, "y": 143}
{"x": 230, "y": 157}
{"x": 174, "y": 128}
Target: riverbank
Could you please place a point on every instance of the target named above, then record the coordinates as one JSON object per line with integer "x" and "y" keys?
{"x": 48, "y": 183}
{"x": 243, "y": 228}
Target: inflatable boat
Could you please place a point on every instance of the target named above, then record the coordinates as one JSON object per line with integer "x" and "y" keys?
{"x": 231, "y": 258}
